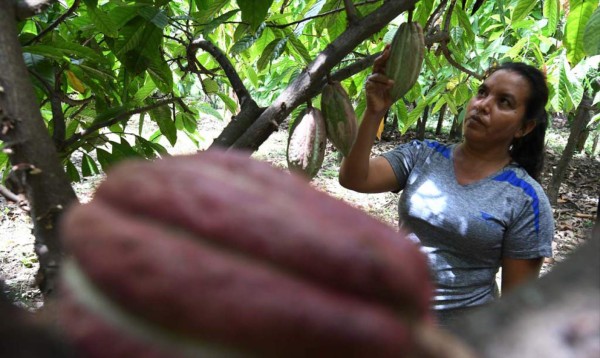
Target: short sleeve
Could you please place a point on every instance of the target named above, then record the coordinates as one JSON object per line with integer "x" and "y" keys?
{"x": 530, "y": 235}
{"x": 403, "y": 159}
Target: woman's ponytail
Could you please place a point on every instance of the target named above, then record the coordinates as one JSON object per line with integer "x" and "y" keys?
{"x": 528, "y": 151}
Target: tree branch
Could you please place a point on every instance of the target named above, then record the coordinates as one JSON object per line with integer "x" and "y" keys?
{"x": 324, "y": 14}
{"x": 307, "y": 84}
{"x": 351, "y": 12}
{"x": 55, "y": 24}
{"x": 9, "y": 195}
{"x": 236, "y": 82}
{"x": 444, "y": 45}
{"x": 93, "y": 128}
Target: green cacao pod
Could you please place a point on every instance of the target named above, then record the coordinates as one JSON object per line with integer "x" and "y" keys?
{"x": 306, "y": 143}
{"x": 340, "y": 119}
{"x": 406, "y": 58}
{"x": 221, "y": 255}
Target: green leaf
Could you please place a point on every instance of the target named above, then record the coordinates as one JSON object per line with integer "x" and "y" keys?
{"x": 515, "y": 51}
{"x": 551, "y": 12}
{"x": 88, "y": 166}
{"x": 270, "y": 53}
{"x": 146, "y": 90}
{"x": 208, "y": 9}
{"x": 300, "y": 49}
{"x": 230, "y": 104}
{"x": 160, "y": 72}
{"x": 579, "y": 14}
{"x": 210, "y": 86}
{"x": 523, "y": 9}
{"x": 121, "y": 15}
{"x": 72, "y": 172}
{"x": 254, "y": 12}
{"x": 106, "y": 159}
{"x": 188, "y": 122}
{"x": 130, "y": 37}
{"x": 103, "y": 22}
{"x": 206, "y": 108}
{"x": 463, "y": 19}
{"x": 155, "y": 16}
{"x": 211, "y": 26}
{"x": 162, "y": 117}
{"x": 591, "y": 35}
{"x": 124, "y": 148}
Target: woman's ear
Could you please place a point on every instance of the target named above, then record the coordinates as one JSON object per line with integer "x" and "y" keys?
{"x": 525, "y": 129}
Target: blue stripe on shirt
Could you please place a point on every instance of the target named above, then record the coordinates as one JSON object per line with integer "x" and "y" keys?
{"x": 511, "y": 177}
{"x": 440, "y": 148}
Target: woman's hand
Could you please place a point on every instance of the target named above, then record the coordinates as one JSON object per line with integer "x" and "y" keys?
{"x": 378, "y": 86}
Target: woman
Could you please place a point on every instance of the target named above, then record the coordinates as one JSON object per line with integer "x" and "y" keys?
{"x": 475, "y": 206}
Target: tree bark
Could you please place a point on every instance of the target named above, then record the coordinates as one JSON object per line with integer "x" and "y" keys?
{"x": 555, "y": 316}
{"x": 37, "y": 170}
{"x": 440, "y": 123}
{"x": 582, "y": 117}
{"x": 455, "y": 130}
{"x": 422, "y": 124}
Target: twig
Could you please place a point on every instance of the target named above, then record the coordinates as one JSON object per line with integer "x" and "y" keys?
{"x": 55, "y": 24}
{"x": 444, "y": 45}
{"x": 9, "y": 195}
{"x": 85, "y": 133}
{"x": 351, "y": 12}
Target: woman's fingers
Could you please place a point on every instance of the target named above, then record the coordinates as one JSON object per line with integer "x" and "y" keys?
{"x": 381, "y": 60}
{"x": 380, "y": 79}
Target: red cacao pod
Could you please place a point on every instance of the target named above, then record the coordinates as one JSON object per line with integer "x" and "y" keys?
{"x": 220, "y": 254}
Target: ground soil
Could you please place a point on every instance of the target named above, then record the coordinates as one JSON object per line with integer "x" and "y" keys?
{"x": 574, "y": 214}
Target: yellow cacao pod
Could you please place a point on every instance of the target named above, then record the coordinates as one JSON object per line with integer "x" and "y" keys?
{"x": 306, "y": 143}
{"x": 406, "y": 58}
{"x": 340, "y": 119}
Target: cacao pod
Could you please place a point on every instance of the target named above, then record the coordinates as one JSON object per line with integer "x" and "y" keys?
{"x": 218, "y": 254}
{"x": 306, "y": 143}
{"x": 406, "y": 58}
{"x": 340, "y": 119}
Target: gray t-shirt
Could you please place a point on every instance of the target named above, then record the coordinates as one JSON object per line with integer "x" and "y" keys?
{"x": 465, "y": 230}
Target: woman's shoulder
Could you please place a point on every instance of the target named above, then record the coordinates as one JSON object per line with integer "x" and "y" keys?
{"x": 427, "y": 146}
{"x": 517, "y": 177}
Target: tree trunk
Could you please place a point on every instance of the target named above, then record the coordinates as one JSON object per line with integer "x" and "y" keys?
{"x": 555, "y": 316}
{"x": 456, "y": 129}
{"x": 422, "y": 124}
{"x": 582, "y": 117}
{"x": 583, "y": 136}
{"x": 438, "y": 129}
{"x": 37, "y": 170}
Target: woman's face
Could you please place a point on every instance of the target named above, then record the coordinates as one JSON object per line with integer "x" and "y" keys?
{"x": 495, "y": 115}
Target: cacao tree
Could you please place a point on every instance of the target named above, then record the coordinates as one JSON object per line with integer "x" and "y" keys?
{"x": 100, "y": 72}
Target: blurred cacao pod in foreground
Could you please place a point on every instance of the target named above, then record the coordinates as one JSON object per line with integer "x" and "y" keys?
{"x": 218, "y": 254}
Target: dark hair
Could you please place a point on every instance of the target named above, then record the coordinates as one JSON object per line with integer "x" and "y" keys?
{"x": 528, "y": 151}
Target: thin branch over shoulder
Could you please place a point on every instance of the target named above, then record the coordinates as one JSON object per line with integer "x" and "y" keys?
{"x": 25, "y": 9}
{"x": 55, "y": 24}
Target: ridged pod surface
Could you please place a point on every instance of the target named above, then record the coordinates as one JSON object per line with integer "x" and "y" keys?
{"x": 306, "y": 143}
{"x": 218, "y": 254}
{"x": 406, "y": 58}
{"x": 340, "y": 119}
